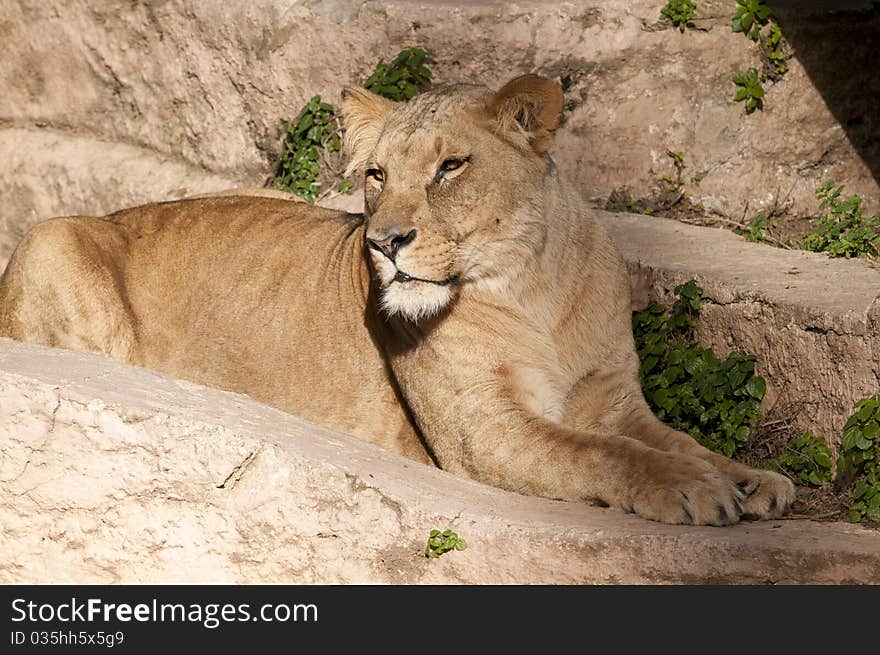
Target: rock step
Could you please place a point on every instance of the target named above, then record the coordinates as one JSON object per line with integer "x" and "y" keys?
{"x": 114, "y": 474}
{"x": 48, "y": 173}
{"x": 813, "y": 321}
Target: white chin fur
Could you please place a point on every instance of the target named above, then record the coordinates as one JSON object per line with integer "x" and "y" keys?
{"x": 414, "y": 300}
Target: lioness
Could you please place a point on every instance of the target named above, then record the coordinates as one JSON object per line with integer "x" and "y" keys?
{"x": 476, "y": 303}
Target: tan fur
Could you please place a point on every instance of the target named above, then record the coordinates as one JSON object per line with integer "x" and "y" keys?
{"x": 504, "y": 314}
{"x": 256, "y": 191}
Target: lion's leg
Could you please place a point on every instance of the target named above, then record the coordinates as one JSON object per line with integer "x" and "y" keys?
{"x": 615, "y": 401}
{"x": 61, "y": 289}
{"x": 487, "y": 433}
{"x": 530, "y": 454}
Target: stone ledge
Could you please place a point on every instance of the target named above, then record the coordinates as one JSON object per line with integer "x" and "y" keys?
{"x": 833, "y": 294}
{"x": 46, "y": 173}
{"x": 110, "y": 473}
{"x": 813, "y": 321}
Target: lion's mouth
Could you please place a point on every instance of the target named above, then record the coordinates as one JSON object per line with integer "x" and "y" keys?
{"x": 400, "y": 276}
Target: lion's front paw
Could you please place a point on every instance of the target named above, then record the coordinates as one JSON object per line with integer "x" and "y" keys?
{"x": 683, "y": 489}
{"x": 768, "y": 495}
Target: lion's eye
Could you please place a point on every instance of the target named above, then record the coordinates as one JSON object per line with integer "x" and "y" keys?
{"x": 449, "y": 166}
{"x": 375, "y": 176}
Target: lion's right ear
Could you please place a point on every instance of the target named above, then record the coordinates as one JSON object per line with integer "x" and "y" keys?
{"x": 530, "y": 106}
{"x": 363, "y": 118}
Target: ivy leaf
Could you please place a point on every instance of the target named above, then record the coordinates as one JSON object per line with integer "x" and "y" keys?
{"x": 756, "y": 387}
{"x": 861, "y": 443}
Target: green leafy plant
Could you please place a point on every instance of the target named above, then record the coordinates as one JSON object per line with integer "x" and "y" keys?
{"x": 679, "y": 12}
{"x": 298, "y": 167}
{"x": 752, "y": 18}
{"x": 716, "y": 401}
{"x": 403, "y": 78}
{"x": 311, "y": 142}
{"x": 749, "y": 16}
{"x": 674, "y": 183}
{"x": 671, "y": 184}
{"x": 860, "y": 459}
{"x": 668, "y": 195}
{"x": 755, "y": 230}
{"x": 843, "y": 230}
{"x": 806, "y": 460}
{"x": 773, "y": 48}
{"x": 443, "y": 542}
{"x": 750, "y": 90}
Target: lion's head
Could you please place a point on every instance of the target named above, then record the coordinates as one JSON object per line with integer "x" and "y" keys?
{"x": 453, "y": 186}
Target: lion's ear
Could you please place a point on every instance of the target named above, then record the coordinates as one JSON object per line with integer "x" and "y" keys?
{"x": 531, "y": 105}
{"x": 363, "y": 118}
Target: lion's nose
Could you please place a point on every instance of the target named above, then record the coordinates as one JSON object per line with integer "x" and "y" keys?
{"x": 391, "y": 244}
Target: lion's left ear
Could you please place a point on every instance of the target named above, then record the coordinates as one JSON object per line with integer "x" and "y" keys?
{"x": 531, "y": 105}
{"x": 363, "y": 118}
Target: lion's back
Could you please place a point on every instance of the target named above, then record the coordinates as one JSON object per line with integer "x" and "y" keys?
{"x": 256, "y": 295}
{"x": 251, "y": 294}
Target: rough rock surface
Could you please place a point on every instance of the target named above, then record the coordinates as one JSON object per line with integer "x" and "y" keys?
{"x": 113, "y": 474}
{"x": 207, "y": 85}
{"x": 46, "y": 173}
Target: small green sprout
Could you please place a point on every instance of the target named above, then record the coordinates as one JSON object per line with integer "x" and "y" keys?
{"x": 442, "y": 542}
{"x": 754, "y": 232}
{"x": 403, "y": 78}
{"x": 750, "y": 90}
{"x": 679, "y": 13}
{"x": 749, "y": 16}
{"x": 773, "y": 46}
